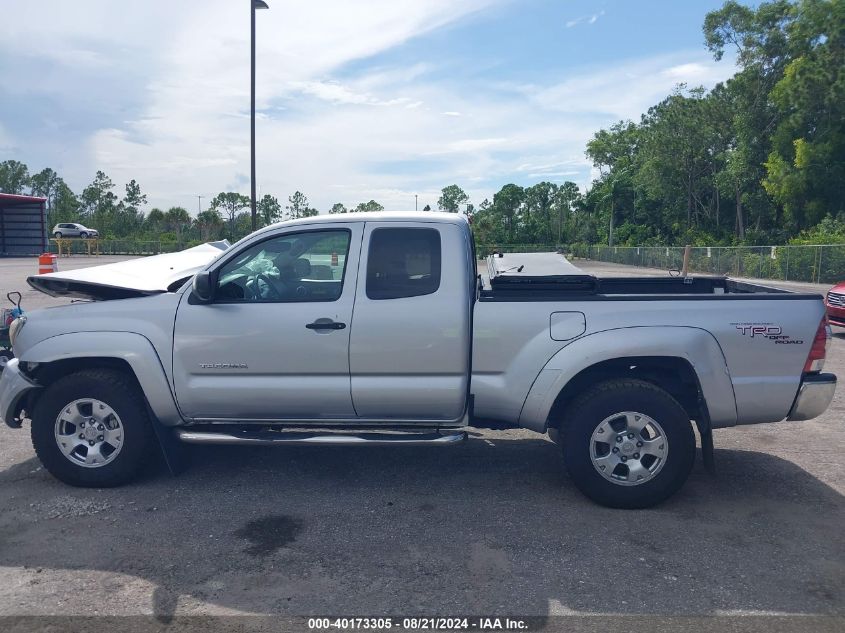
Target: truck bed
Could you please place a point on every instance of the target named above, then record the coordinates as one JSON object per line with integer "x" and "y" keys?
{"x": 588, "y": 287}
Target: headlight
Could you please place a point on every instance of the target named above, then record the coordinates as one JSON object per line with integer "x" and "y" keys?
{"x": 16, "y": 327}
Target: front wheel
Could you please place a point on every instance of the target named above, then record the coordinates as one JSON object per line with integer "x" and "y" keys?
{"x": 628, "y": 444}
{"x": 91, "y": 429}
{"x": 83, "y": 235}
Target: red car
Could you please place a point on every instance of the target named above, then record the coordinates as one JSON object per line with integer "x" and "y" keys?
{"x": 835, "y": 304}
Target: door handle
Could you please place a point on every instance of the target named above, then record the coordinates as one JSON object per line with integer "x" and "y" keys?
{"x": 325, "y": 325}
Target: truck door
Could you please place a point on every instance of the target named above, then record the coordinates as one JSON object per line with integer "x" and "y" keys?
{"x": 410, "y": 342}
{"x": 274, "y": 343}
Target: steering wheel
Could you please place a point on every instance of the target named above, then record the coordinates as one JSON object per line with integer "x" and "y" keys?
{"x": 273, "y": 291}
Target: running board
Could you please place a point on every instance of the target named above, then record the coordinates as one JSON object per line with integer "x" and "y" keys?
{"x": 280, "y": 438}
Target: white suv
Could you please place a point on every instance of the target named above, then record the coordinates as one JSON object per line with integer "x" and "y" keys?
{"x": 73, "y": 230}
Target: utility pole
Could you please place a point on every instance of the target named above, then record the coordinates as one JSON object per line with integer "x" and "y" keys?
{"x": 415, "y": 202}
{"x": 253, "y": 5}
{"x": 199, "y": 204}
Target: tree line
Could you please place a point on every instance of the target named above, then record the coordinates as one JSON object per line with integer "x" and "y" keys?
{"x": 759, "y": 159}
{"x": 545, "y": 213}
{"x": 123, "y": 217}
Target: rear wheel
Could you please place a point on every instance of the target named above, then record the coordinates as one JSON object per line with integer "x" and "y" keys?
{"x": 57, "y": 235}
{"x": 91, "y": 429}
{"x": 628, "y": 444}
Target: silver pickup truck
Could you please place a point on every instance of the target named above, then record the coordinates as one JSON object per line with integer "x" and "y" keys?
{"x": 377, "y": 328}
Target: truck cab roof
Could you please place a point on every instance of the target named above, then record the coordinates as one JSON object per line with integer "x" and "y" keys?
{"x": 372, "y": 216}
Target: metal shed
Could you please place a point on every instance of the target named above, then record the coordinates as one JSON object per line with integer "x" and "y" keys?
{"x": 23, "y": 225}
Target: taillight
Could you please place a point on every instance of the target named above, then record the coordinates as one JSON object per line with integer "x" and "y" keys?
{"x": 818, "y": 351}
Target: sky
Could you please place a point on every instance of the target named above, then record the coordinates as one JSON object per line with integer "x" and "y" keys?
{"x": 356, "y": 100}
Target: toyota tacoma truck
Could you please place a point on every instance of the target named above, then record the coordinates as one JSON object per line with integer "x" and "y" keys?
{"x": 378, "y": 329}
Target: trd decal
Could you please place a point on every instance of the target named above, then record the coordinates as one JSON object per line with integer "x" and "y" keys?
{"x": 767, "y": 331}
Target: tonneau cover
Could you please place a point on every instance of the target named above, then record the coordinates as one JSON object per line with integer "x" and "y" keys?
{"x": 539, "y": 272}
{"x": 132, "y": 278}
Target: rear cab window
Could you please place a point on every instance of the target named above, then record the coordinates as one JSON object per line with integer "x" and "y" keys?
{"x": 403, "y": 262}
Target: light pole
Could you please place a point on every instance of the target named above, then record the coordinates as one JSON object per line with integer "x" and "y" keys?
{"x": 415, "y": 201}
{"x": 253, "y": 4}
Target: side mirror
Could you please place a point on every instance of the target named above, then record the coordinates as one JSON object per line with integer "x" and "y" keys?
{"x": 203, "y": 286}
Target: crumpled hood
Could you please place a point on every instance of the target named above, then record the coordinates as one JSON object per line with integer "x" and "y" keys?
{"x": 132, "y": 278}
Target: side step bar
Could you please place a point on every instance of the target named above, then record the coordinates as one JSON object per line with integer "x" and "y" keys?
{"x": 283, "y": 438}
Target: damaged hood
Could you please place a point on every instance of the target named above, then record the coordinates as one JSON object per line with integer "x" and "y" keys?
{"x": 132, "y": 278}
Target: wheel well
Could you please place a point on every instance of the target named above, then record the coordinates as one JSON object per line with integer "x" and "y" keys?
{"x": 672, "y": 374}
{"x": 48, "y": 373}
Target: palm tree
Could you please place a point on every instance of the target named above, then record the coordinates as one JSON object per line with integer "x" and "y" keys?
{"x": 616, "y": 188}
{"x": 177, "y": 219}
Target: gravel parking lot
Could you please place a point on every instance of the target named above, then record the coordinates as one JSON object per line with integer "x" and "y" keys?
{"x": 492, "y": 527}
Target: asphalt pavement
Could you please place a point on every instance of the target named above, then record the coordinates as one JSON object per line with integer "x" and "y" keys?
{"x": 491, "y": 527}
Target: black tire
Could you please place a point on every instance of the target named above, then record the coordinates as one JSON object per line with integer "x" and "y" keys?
{"x": 57, "y": 235}
{"x": 83, "y": 235}
{"x": 119, "y": 392}
{"x": 606, "y": 399}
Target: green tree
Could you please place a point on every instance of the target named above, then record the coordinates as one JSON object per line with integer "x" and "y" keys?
{"x": 566, "y": 201}
{"x": 540, "y": 201}
{"x": 617, "y": 185}
{"x": 451, "y": 198}
{"x": 805, "y": 171}
{"x": 134, "y": 199}
{"x": 338, "y": 207}
{"x": 99, "y": 203}
{"x": 298, "y": 207}
{"x": 370, "y": 206}
{"x": 128, "y": 216}
{"x": 45, "y": 184}
{"x": 228, "y": 204}
{"x": 14, "y": 176}
{"x": 507, "y": 204}
{"x": 66, "y": 205}
{"x": 210, "y": 224}
{"x": 269, "y": 210}
{"x": 178, "y": 220}
{"x": 154, "y": 223}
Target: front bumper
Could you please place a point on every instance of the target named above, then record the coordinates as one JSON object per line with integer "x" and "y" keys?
{"x": 814, "y": 396}
{"x": 13, "y": 387}
{"x": 835, "y": 315}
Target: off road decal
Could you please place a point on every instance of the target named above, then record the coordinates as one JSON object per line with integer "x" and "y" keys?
{"x": 767, "y": 331}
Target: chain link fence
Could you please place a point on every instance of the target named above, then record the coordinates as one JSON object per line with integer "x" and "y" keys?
{"x": 822, "y": 263}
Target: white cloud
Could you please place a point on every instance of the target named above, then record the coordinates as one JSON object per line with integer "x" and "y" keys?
{"x": 585, "y": 19}
{"x": 336, "y": 93}
{"x": 630, "y": 88}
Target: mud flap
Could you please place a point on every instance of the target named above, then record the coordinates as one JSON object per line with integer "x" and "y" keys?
{"x": 707, "y": 453}
{"x": 175, "y": 453}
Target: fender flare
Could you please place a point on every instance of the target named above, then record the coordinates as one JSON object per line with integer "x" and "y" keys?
{"x": 695, "y": 345}
{"x": 135, "y": 349}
